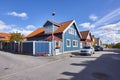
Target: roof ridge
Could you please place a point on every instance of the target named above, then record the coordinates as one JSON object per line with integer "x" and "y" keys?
{"x": 53, "y": 22}
{"x": 67, "y": 21}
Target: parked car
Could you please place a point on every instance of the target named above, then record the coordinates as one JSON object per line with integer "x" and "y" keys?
{"x": 98, "y": 48}
{"x": 88, "y": 50}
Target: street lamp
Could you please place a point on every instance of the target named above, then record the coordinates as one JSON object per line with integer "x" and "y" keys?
{"x": 53, "y": 14}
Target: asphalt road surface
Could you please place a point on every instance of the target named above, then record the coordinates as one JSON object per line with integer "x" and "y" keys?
{"x": 103, "y": 65}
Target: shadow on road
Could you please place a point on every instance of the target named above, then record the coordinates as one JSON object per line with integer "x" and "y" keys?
{"x": 106, "y": 67}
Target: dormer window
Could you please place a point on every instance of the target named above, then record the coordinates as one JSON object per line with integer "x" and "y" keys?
{"x": 48, "y": 29}
{"x": 50, "y": 26}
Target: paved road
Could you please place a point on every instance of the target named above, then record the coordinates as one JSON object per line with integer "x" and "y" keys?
{"x": 100, "y": 66}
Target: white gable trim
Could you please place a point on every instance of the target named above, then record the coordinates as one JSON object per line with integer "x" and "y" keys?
{"x": 88, "y": 36}
{"x": 78, "y": 29}
{"x": 70, "y": 26}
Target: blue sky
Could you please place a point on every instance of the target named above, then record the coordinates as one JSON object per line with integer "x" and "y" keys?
{"x": 101, "y": 17}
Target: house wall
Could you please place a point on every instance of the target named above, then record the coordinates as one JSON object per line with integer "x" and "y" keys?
{"x": 85, "y": 43}
{"x": 42, "y": 47}
{"x": 72, "y": 37}
{"x": 98, "y": 42}
{"x": 49, "y": 27}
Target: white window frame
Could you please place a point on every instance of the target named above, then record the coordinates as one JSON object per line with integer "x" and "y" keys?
{"x": 69, "y": 43}
{"x": 76, "y": 43}
{"x": 71, "y": 31}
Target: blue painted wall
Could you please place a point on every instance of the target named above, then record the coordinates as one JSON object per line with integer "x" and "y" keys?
{"x": 71, "y": 37}
{"x": 42, "y": 47}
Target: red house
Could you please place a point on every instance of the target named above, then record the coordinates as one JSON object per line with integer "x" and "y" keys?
{"x": 86, "y": 38}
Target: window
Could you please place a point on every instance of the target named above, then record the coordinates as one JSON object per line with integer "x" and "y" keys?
{"x": 75, "y": 43}
{"x": 71, "y": 31}
{"x": 68, "y": 43}
{"x": 57, "y": 44}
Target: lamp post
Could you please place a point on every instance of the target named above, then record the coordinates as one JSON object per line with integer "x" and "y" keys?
{"x": 53, "y": 14}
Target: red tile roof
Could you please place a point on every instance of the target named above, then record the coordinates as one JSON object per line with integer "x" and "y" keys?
{"x": 5, "y": 36}
{"x": 49, "y": 38}
{"x": 61, "y": 28}
{"x": 36, "y": 32}
{"x": 84, "y": 34}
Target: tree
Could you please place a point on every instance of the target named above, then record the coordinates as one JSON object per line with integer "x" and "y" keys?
{"x": 117, "y": 45}
{"x": 108, "y": 45}
{"x": 16, "y": 37}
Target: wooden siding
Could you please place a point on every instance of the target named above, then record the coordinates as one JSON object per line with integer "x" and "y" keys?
{"x": 72, "y": 37}
{"x": 42, "y": 47}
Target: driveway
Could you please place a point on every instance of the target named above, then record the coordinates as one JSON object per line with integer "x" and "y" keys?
{"x": 104, "y": 65}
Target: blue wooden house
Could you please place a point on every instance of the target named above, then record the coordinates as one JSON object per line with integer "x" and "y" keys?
{"x": 64, "y": 36}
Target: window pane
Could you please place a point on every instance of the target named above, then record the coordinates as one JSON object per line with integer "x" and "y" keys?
{"x": 68, "y": 43}
{"x": 73, "y": 43}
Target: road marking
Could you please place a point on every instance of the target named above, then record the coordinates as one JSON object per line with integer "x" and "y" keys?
{"x": 30, "y": 69}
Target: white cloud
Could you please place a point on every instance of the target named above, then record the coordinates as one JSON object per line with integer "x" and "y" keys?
{"x": 87, "y": 25}
{"x": 29, "y": 27}
{"x": 109, "y": 33}
{"x": 22, "y": 31}
{"x": 110, "y": 27}
{"x": 13, "y": 28}
{"x": 93, "y": 17}
{"x": 110, "y": 17}
{"x": 4, "y": 26}
{"x": 25, "y": 31}
{"x": 104, "y": 27}
{"x": 21, "y": 15}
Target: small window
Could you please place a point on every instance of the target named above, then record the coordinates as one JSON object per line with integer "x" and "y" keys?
{"x": 68, "y": 43}
{"x": 71, "y": 31}
{"x": 57, "y": 44}
{"x": 75, "y": 43}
